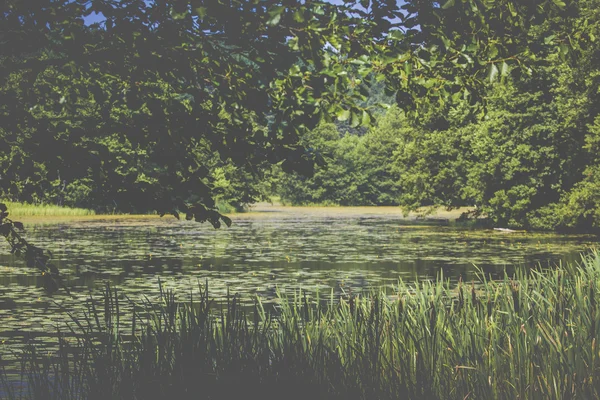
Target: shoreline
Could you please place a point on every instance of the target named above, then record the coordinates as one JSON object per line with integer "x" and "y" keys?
{"x": 267, "y": 210}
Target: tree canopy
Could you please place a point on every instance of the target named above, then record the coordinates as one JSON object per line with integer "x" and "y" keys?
{"x": 531, "y": 161}
{"x": 146, "y": 108}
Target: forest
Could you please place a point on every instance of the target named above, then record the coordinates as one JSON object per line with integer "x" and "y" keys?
{"x": 506, "y": 124}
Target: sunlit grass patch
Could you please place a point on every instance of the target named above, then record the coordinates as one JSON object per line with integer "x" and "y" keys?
{"x": 45, "y": 210}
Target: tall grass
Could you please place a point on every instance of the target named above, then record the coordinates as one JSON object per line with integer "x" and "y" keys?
{"x": 46, "y": 210}
{"x": 532, "y": 336}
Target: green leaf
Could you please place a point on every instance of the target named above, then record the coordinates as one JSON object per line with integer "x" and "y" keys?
{"x": 472, "y": 48}
{"x": 396, "y": 34}
{"x": 492, "y": 72}
{"x": 493, "y": 51}
{"x": 504, "y": 69}
{"x": 560, "y": 3}
{"x": 355, "y": 120}
{"x": 448, "y": 4}
{"x": 275, "y": 15}
{"x": 366, "y": 118}
{"x": 201, "y": 12}
{"x": 298, "y": 16}
{"x": 274, "y": 20}
{"x": 343, "y": 115}
{"x": 178, "y": 15}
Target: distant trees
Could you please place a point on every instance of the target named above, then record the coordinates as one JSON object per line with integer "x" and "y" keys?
{"x": 530, "y": 161}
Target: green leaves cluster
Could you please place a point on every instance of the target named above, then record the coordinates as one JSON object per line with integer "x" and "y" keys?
{"x": 357, "y": 170}
{"x": 34, "y": 257}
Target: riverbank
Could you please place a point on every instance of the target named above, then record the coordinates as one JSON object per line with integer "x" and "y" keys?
{"x": 19, "y": 210}
{"x": 353, "y": 211}
{"x": 42, "y": 214}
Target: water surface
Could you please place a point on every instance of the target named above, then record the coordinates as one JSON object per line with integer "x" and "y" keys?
{"x": 347, "y": 250}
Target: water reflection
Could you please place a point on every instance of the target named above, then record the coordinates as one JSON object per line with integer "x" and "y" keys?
{"x": 383, "y": 249}
{"x": 256, "y": 256}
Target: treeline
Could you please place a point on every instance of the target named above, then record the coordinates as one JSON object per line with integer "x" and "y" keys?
{"x": 123, "y": 178}
{"x": 532, "y": 160}
{"x": 84, "y": 125}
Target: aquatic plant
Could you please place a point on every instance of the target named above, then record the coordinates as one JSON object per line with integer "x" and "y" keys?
{"x": 529, "y": 336}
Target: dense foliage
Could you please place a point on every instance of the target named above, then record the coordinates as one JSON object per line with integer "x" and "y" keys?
{"x": 530, "y": 161}
{"x": 171, "y": 105}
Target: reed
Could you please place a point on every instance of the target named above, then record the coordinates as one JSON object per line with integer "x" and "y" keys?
{"x": 529, "y": 336}
{"x": 45, "y": 210}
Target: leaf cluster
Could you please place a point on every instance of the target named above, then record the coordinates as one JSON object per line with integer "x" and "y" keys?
{"x": 34, "y": 256}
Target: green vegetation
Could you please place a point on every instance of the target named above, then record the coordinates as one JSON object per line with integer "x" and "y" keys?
{"x": 531, "y": 161}
{"x": 48, "y": 210}
{"x": 533, "y": 336}
{"x": 174, "y": 106}
{"x": 195, "y": 108}
{"x": 44, "y": 210}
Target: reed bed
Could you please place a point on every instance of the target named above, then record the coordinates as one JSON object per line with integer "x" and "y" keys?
{"x": 529, "y": 336}
{"x": 44, "y": 210}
